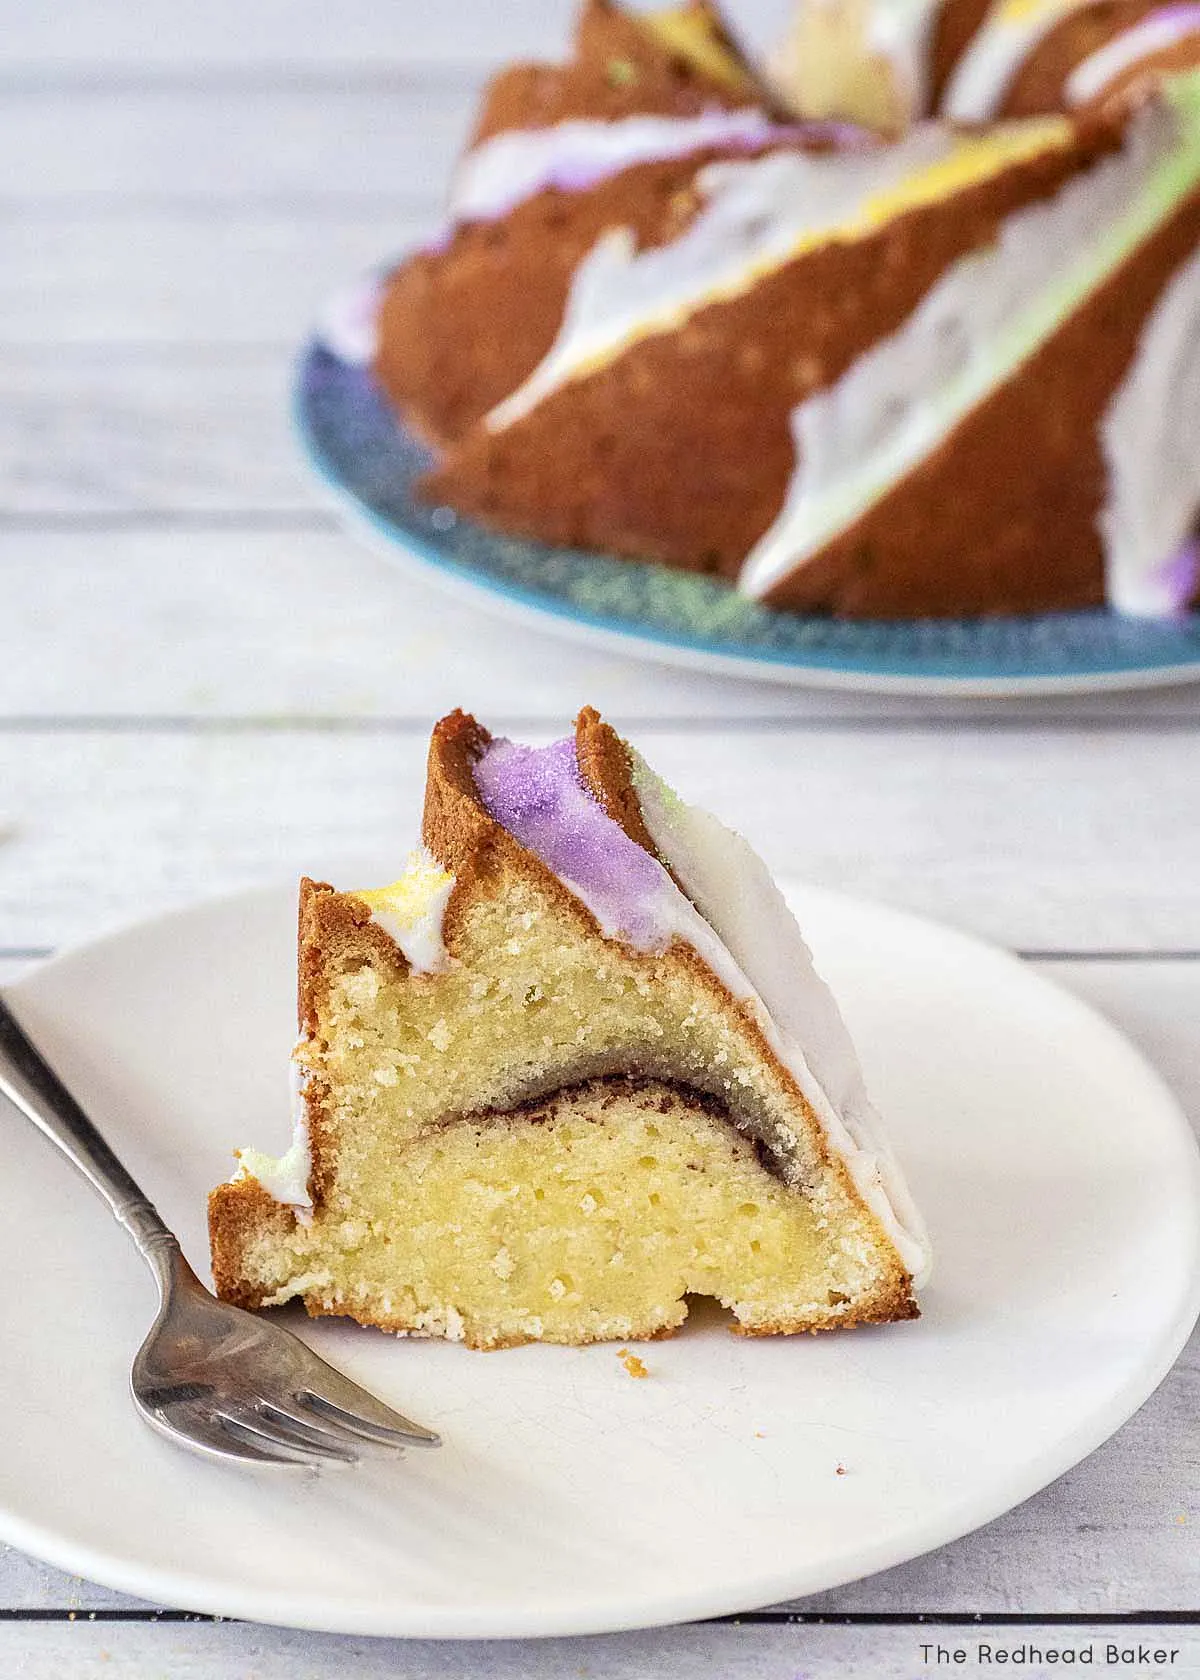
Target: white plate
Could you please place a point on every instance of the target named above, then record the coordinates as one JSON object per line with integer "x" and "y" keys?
{"x": 1058, "y": 1175}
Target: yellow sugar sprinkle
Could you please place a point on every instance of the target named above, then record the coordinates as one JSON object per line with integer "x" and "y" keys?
{"x": 1018, "y": 12}
{"x": 410, "y": 897}
{"x": 973, "y": 159}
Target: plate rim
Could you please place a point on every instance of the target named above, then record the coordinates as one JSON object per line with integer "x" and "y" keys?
{"x": 194, "y": 1593}
{"x": 409, "y": 550}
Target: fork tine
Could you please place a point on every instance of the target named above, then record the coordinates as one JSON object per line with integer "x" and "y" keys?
{"x": 246, "y": 1423}
{"x": 346, "y": 1403}
{"x": 365, "y": 1430}
{"x": 207, "y": 1437}
{"x": 319, "y": 1426}
{"x": 355, "y": 1408}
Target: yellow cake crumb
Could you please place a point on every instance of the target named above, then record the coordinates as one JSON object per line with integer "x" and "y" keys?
{"x": 633, "y": 1365}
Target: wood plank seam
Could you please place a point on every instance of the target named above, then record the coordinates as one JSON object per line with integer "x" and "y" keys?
{"x": 367, "y": 724}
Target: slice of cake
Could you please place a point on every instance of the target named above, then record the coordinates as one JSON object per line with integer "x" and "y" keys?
{"x": 572, "y": 1068}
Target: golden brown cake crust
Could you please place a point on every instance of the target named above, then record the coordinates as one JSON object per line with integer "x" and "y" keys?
{"x": 238, "y": 1214}
{"x": 603, "y": 760}
{"x": 455, "y": 826}
{"x": 894, "y": 1305}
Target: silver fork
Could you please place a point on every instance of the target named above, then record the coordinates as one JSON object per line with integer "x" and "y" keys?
{"x": 222, "y": 1381}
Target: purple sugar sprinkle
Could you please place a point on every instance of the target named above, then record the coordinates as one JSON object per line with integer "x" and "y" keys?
{"x": 537, "y": 794}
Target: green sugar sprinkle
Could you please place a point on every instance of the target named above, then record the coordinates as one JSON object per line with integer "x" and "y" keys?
{"x": 621, "y": 73}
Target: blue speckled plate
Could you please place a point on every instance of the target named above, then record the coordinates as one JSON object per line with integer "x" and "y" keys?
{"x": 371, "y": 462}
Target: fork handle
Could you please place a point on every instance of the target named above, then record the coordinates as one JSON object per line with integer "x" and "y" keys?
{"x": 28, "y": 1081}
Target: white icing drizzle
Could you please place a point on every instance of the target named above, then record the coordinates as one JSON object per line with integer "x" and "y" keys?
{"x": 1155, "y": 33}
{"x": 411, "y": 911}
{"x": 752, "y": 943}
{"x": 285, "y": 1177}
{"x": 757, "y": 215}
{"x": 997, "y": 50}
{"x": 513, "y": 166}
{"x": 986, "y": 315}
{"x": 1151, "y": 440}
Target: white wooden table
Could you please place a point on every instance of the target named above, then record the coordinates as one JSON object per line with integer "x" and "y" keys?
{"x": 190, "y": 649}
